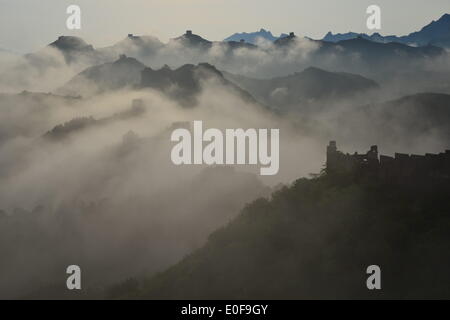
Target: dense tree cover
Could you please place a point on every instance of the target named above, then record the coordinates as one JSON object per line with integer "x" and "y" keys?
{"x": 315, "y": 239}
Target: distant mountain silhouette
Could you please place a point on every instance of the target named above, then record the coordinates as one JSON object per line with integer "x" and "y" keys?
{"x": 419, "y": 113}
{"x": 68, "y": 43}
{"x": 72, "y": 47}
{"x": 357, "y": 53}
{"x": 285, "y": 40}
{"x": 361, "y": 55}
{"x": 122, "y": 73}
{"x": 330, "y": 37}
{"x": 376, "y": 37}
{"x": 134, "y": 46}
{"x": 302, "y": 89}
{"x": 231, "y": 45}
{"x": 184, "y": 83}
{"x": 369, "y": 56}
{"x": 402, "y": 121}
{"x": 252, "y": 37}
{"x": 372, "y": 48}
{"x": 190, "y": 39}
{"x": 436, "y": 33}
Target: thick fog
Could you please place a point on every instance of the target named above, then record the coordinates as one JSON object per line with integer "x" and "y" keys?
{"x": 100, "y": 190}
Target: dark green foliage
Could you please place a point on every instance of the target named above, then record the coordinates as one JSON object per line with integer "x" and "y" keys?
{"x": 315, "y": 239}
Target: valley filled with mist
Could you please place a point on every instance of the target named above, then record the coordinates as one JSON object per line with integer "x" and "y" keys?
{"x": 85, "y": 170}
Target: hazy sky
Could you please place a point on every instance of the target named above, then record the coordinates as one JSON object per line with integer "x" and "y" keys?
{"x": 27, "y": 25}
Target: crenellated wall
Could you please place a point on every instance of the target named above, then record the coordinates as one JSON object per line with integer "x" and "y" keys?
{"x": 400, "y": 168}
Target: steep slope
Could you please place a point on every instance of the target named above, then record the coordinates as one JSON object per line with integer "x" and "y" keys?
{"x": 416, "y": 123}
{"x": 307, "y": 88}
{"x": 431, "y": 33}
{"x": 69, "y": 43}
{"x": 185, "y": 83}
{"x": 419, "y": 113}
{"x": 315, "y": 240}
{"x": 122, "y": 73}
{"x": 74, "y": 48}
{"x": 192, "y": 40}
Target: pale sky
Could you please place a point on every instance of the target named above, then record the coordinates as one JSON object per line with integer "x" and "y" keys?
{"x": 27, "y": 25}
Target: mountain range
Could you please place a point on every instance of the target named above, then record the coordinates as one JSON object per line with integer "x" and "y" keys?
{"x": 308, "y": 88}
{"x": 252, "y": 37}
{"x": 122, "y": 73}
{"x": 182, "y": 84}
{"x": 185, "y": 82}
{"x": 419, "y": 115}
{"x": 357, "y": 55}
{"x": 95, "y": 151}
{"x": 436, "y": 33}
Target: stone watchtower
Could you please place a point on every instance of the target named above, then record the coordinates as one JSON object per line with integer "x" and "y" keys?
{"x": 332, "y": 157}
{"x": 372, "y": 154}
{"x": 189, "y": 32}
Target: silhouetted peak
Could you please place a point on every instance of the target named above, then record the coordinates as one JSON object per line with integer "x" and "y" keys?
{"x": 312, "y": 70}
{"x": 443, "y": 22}
{"x": 191, "y": 35}
{"x": 436, "y": 32}
{"x": 207, "y": 66}
{"x": 70, "y": 43}
{"x": 190, "y": 38}
{"x": 187, "y": 66}
{"x": 252, "y": 37}
{"x": 133, "y": 39}
{"x": 125, "y": 60}
{"x": 445, "y": 17}
{"x": 183, "y": 83}
{"x": 286, "y": 39}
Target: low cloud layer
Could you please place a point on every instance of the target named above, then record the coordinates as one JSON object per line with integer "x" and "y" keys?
{"x": 102, "y": 192}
